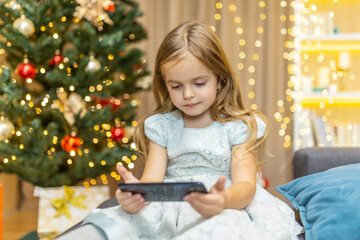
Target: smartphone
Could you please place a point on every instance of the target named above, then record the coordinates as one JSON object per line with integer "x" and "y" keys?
{"x": 163, "y": 192}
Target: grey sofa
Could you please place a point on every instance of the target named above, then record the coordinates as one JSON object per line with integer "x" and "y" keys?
{"x": 306, "y": 161}
{"x": 313, "y": 160}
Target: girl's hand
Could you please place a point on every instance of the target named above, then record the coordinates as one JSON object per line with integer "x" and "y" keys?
{"x": 209, "y": 204}
{"x": 131, "y": 203}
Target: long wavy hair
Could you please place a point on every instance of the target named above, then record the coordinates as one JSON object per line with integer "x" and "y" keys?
{"x": 199, "y": 40}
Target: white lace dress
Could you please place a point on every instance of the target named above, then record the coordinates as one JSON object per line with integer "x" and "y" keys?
{"x": 199, "y": 154}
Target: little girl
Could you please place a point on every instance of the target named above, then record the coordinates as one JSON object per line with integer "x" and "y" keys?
{"x": 199, "y": 131}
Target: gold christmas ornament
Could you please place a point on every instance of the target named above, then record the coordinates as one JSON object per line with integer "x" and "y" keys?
{"x": 6, "y": 128}
{"x": 24, "y": 25}
{"x": 93, "y": 11}
{"x": 69, "y": 106}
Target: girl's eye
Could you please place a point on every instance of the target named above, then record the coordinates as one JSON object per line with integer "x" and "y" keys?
{"x": 175, "y": 87}
{"x": 199, "y": 84}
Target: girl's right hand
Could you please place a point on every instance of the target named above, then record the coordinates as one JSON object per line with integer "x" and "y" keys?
{"x": 131, "y": 203}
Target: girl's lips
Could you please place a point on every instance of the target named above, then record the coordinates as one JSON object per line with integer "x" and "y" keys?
{"x": 191, "y": 105}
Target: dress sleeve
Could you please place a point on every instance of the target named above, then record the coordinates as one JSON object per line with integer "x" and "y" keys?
{"x": 238, "y": 130}
{"x": 155, "y": 129}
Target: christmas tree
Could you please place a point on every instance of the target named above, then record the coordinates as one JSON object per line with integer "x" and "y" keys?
{"x": 67, "y": 104}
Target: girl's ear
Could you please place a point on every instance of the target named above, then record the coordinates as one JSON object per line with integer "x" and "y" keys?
{"x": 218, "y": 84}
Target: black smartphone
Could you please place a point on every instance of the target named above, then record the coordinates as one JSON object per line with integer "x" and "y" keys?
{"x": 163, "y": 192}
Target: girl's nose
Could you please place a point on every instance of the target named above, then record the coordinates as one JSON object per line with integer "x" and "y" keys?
{"x": 188, "y": 93}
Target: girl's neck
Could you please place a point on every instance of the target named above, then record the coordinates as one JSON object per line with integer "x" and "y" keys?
{"x": 200, "y": 121}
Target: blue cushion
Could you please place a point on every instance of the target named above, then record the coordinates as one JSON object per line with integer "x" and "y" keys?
{"x": 329, "y": 202}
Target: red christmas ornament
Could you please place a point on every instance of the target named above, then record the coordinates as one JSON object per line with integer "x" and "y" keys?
{"x": 117, "y": 133}
{"x": 109, "y": 7}
{"x": 70, "y": 143}
{"x": 26, "y": 70}
{"x": 56, "y": 60}
{"x": 114, "y": 103}
{"x": 137, "y": 66}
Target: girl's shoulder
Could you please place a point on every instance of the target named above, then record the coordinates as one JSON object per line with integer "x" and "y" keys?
{"x": 241, "y": 124}
{"x": 164, "y": 118}
{"x": 238, "y": 130}
{"x": 158, "y": 126}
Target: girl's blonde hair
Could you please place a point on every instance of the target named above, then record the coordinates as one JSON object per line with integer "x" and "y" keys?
{"x": 200, "y": 40}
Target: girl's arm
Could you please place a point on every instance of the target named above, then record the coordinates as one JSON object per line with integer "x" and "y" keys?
{"x": 238, "y": 195}
{"x": 156, "y": 163}
{"x": 243, "y": 177}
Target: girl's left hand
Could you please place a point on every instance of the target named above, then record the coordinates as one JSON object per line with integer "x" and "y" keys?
{"x": 209, "y": 204}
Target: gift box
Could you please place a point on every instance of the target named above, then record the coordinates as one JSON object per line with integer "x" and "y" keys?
{"x": 62, "y": 207}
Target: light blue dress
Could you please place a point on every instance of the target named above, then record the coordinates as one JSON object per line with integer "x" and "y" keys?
{"x": 199, "y": 154}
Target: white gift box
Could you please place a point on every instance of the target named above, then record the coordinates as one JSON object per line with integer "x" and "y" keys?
{"x": 50, "y": 222}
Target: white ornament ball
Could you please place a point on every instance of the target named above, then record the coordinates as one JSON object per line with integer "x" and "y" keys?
{"x": 93, "y": 65}
{"x": 24, "y": 25}
{"x": 6, "y": 128}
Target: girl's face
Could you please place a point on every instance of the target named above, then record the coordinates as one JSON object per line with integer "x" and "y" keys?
{"x": 192, "y": 88}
